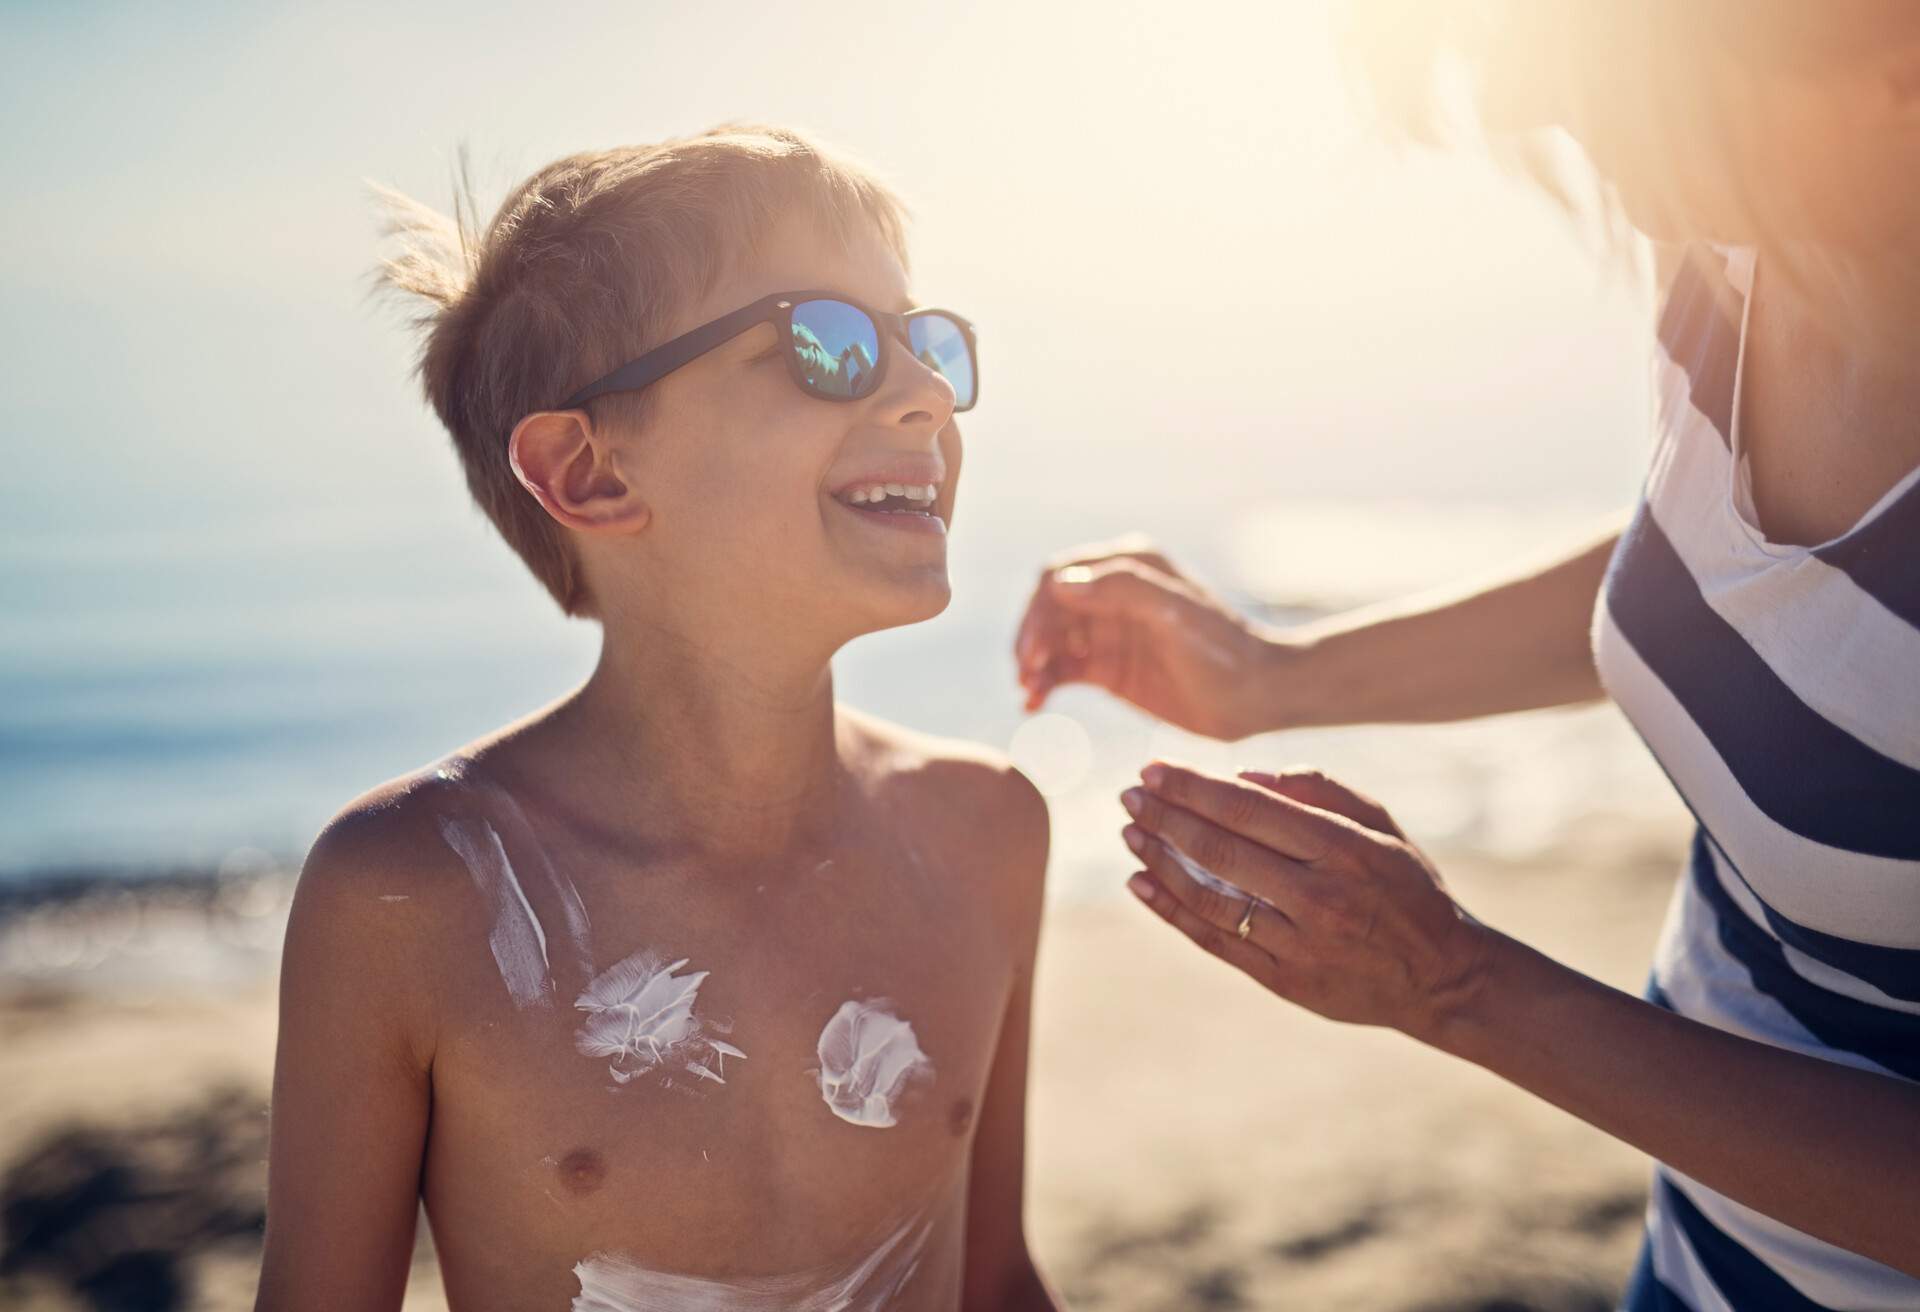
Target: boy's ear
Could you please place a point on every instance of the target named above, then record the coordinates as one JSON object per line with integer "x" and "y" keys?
{"x": 573, "y": 471}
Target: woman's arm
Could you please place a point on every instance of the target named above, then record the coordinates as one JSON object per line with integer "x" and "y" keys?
{"x": 1355, "y": 924}
{"x": 1825, "y": 1148}
{"x": 1125, "y": 618}
{"x": 350, "y": 1087}
{"x": 1513, "y": 645}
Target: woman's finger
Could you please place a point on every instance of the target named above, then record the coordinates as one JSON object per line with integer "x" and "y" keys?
{"x": 1042, "y": 651}
{"x": 1027, "y": 640}
{"x": 1293, "y": 829}
{"x": 1043, "y": 614}
{"x": 1065, "y": 656}
{"x": 1206, "y": 894}
{"x": 1316, "y": 789}
{"x": 1239, "y": 953}
{"x": 1054, "y": 629}
{"x": 1051, "y": 676}
{"x": 1083, "y": 622}
{"x": 1215, "y": 857}
{"x": 1075, "y": 629}
{"x": 1078, "y": 624}
{"x": 1133, "y": 546}
{"x": 1118, "y": 589}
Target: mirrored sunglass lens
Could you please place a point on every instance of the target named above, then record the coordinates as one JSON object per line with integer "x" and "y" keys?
{"x": 838, "y": 347}
{"x": 940, "y": 344}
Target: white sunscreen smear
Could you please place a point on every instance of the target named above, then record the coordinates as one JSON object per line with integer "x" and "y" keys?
{"x": 640, "y": 1014}
{"x": 519, "y": 944}
{"x": 867, "y": 1055}
{"x": 518, "y": 939}
{"x": 610, "y": 1282}
{"x": 573, "y": 911}
{"x": 1207, "y": 879}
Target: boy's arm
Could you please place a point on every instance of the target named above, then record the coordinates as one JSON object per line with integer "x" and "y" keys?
{"x": 1000, "y": 1273}
{"x": 350, "y": 1085}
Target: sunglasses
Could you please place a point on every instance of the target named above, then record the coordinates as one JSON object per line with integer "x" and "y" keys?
{"x": 832, "y": 345}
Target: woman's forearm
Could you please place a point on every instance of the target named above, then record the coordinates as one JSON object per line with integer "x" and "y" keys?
{"x": 1716, "y": 1107}
{"x": 1516, "y": 645}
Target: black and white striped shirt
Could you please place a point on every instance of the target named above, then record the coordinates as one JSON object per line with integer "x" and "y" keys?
{"x": 1779, "y": 687}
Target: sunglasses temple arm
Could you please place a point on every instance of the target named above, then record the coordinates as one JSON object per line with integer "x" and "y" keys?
{"x": 682, "y": 350}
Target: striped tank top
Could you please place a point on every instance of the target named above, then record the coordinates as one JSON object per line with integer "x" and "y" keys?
{"x": 1779, "y": 688}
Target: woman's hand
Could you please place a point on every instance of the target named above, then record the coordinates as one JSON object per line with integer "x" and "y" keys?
{"x": 1124, "y": 618}
{"x": 1350, "y": 919}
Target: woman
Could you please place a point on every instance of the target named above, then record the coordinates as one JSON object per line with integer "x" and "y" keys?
{"x": 1758, "y": 620}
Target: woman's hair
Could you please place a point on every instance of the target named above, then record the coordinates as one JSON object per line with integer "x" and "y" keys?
{"x": 586, "y": 265}
{"x": 1663, "y": 96}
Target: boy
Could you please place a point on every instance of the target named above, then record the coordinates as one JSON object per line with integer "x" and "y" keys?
{"x": 691, "y": 990}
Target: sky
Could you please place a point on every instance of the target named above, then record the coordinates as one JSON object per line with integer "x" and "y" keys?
{"x": 1210, "y": 298}
{"x": 185, "y": 261}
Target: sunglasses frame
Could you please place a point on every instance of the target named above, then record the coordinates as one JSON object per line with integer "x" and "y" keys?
{"x": 776, "y": 309}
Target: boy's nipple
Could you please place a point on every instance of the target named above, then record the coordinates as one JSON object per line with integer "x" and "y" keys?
{"x": 582, "y": 1171}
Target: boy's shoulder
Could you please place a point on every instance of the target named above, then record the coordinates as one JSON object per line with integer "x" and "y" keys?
{"x": 959, "y": 771}
{"x": 394, "y": 843}
{"x": 964, "y": 800}
{"x": 376, "y": 895}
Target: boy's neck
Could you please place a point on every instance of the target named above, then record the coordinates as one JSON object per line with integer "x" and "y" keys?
{"x": 729, "y": 753}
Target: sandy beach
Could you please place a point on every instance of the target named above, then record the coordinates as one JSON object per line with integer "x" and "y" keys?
{"x": 1195, "y": 1143}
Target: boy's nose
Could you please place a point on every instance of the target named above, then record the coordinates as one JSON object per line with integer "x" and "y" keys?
{"x": 917, "y": 392}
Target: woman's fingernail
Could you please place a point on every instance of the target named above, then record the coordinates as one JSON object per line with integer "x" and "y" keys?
{"x": 1074, "y": 576}
{"x": 1131, "y": 799}
{"x": 1140, "y": 886}
{"x": 1153, "y": 774}
{"x": 1135, "y": 838}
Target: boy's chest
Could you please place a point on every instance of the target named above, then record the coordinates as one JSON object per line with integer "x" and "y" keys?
{"x": 800, "y": 1054}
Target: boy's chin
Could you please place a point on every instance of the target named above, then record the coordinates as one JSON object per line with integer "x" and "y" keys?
{"x": 906, "y": 599}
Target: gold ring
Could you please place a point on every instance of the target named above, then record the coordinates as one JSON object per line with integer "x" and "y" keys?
{"x": 1245, "y": 927}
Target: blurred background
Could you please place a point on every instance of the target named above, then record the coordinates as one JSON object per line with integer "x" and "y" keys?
{"x": 240, "y": 580}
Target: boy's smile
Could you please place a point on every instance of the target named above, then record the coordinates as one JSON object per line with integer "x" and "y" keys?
{"x": 899, "y": 493}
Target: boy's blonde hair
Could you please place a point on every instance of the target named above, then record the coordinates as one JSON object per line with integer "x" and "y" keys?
{"x": 585, "y": 266}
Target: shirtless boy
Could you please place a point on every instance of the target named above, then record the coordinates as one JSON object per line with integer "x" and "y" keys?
{"x": 692, "y": 989}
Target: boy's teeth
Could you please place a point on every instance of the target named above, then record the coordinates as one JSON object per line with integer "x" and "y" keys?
{"x": 880, "y": 492}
